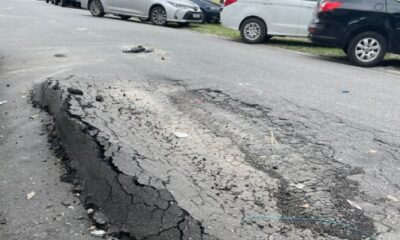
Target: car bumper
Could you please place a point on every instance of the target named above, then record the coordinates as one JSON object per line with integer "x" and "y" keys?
{"x": 181, "y": 15}
{"x": 230, "y": 18}
{"x": 212, "y": 16}
{"x": 318, "y": 34}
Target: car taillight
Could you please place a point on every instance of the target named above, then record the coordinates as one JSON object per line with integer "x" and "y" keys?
{"x": 229, "y": 2}
{"x": 329, "y": 6}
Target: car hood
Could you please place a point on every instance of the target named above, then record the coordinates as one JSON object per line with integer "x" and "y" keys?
{"x": 185, "y": 2}
{"x": 206, "y": 4}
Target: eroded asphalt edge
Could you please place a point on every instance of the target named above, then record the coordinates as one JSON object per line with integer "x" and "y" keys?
{"x": 224, "y": 102}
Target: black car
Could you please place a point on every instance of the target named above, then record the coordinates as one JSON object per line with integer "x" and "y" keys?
{"x": 211, "y": 10}
{"x": 365, "y": 29}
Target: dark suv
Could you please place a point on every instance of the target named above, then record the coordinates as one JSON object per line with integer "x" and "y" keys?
{"x": 364, "y": 29}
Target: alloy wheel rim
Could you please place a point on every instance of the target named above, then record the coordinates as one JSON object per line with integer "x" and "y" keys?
{"x": 367, "y": 49}
{"x": 252, "y": 31}
{"x": 159, "y": 16}
{"x": 95, "y": 7}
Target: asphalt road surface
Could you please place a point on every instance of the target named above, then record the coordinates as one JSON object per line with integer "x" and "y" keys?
{"x": 343, "y": 119}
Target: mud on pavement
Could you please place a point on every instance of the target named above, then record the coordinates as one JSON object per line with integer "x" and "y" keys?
{"x": 160, "y": 161}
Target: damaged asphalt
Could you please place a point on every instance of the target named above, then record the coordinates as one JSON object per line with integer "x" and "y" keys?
{"x": 202, "y": 138}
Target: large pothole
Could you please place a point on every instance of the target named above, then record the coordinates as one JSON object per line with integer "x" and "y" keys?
{"x": 236, "y": 172}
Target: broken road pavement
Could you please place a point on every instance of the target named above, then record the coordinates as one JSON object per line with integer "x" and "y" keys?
{"x": 270, "y": 149}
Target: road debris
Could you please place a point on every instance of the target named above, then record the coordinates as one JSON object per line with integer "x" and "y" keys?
{"x": 353, "y": 204}
{"x": 181, "y": 134}
{"x": 392, "y": 198}
{"x": 66, "y": 203}
{"x": 273, "y": 139}
{"x": 98, "y": 233}
{"x": 3, "y": 102}
{"x": 34, "y": 116}
{"x": 99, "y": 218}
{"x": 138, "y": 49}
{"x": 59, "y": 55}
{"x": 345, "y": 91}
{"x": 30, "y": 195}
{"x": 90, "y": 211}
{"x": 372, "y": 151}
{"x": 306, "y": 205}
{"x": 298, "y": 185}
{"x": 99, "y": 98}
{"x": 75, "y": 91}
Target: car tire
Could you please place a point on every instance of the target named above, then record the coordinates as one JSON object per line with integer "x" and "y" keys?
{"x": 63, "y": 3}
{"x": 253, "y": 30}
{"x": 124, "y": 17}
{"x": 367, "y": 49}
{"x": 96, "y": 8}
{"x": 158, "y": 16}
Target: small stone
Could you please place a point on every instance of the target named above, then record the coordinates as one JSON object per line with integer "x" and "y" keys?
{"x": 392, "y": 198}
{"x": 3, "y": 221}
{"x": 8, "y": 85}
{"x": 99, "y": 218}
{"x": 66, "y": 203}
{"x": 90, "y": 211}
{"x": 99, "y": 98}
{"x": 30, "y": 195}
{"x": 306, "y": 205}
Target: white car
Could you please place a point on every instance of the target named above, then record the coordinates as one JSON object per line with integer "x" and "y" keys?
{"x": 159, "y": 12}
{"x": 258, "y": 20}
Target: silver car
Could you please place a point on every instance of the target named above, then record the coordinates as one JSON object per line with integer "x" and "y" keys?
{"x": 159, "y": 12}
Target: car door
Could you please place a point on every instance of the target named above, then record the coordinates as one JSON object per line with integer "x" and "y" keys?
{"x": 133, "y": 7}
{"x": 282, "y": 16}
{"x": 307, "y": 10}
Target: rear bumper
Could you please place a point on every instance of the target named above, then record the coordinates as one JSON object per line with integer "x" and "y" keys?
{"x": 317, "y": 34}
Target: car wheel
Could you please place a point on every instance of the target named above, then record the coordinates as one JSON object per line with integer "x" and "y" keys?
{"x": 253, "y": 30}
{"x": 367, "y": 49}
{"x": 158, "y": 16}
{"x": 96, "y": 8}
{"x": 124, "y": 17}
{"x": 183, "y": 24}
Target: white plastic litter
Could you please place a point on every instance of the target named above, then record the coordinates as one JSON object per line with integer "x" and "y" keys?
{"x": 181, "y": 134}
{"x": 355, "y": 205}
{"x": 98, "y": 233}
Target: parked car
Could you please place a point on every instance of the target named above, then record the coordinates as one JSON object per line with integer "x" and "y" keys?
{"x": 365, "y": 30}
{"x": 159, "y": 12}
{"x": 64, "y": 3}
{"x": 211, "y": 10}
{"x": 259, "y": 20}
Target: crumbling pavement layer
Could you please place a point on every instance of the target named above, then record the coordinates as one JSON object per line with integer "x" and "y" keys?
{"x": 240, "y": 171}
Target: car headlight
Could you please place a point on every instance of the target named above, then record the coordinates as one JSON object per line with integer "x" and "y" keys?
{"x": 183, "y": 6}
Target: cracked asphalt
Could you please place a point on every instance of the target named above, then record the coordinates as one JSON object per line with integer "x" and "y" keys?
{"x": 280, "y": 145}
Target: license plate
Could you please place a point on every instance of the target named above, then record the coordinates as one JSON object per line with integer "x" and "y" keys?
{"x": 196, "y": 15}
